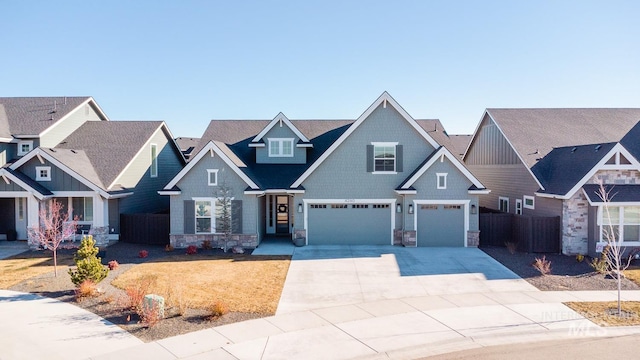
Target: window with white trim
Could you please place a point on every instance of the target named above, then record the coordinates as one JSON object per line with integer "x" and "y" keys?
{"x": 518, "y": 206}
{"x": 154, "y": 160}
{"x": 441, "y": 180}
{"x": 280, "y": 147}
{"x": 623, "y": 222}
{"x": 208, "y": 215}
{"x": 384, "y": 157}
{"x": 529, "y": 202}
{"x": 212, "y": 177}
{"x": 24, "y": 147}
{"x": 503, "y": 204}
{"x": 82, "y": 208}
{"x": 43, "y": 173}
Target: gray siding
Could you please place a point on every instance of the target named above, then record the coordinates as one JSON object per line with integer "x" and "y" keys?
{"x": 62, "y": 130}
{"x": 343, "y": 175}
{"x": 194, "y": 184}
{"x": 7, "y": 152}
{"x": 60, "y": 180}
{"x": 114, "y": 216}
{"x": 490, "y": 147}
{"x": 10, "y": 187}
{"x": 145, "y": 188}
{"x": 299, "y": 154}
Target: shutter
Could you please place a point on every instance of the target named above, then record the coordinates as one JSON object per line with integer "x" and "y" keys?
{"x": 369, "y": 158}
{"x": 236, "y": 216}
{"x": 189, "y": 217}
{"x": 399, "y": 158}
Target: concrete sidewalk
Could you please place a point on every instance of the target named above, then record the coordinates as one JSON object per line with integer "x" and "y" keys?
{"x": 35, "y": 327}
{"x": 392, "y": 329}
{"x": 10, "y": 248}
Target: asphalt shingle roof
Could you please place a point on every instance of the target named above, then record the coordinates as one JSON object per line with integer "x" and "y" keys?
{"x": 23, "y": 116}
{"x": 617, "y": 193}
{"x": 119, "y": 142}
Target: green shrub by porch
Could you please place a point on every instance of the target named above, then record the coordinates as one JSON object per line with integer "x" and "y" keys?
{"x": 88, "y": 265}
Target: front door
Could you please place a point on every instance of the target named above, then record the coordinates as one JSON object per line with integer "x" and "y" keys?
{"x": 282, "y": 214}
{"x": 21, "y": 218}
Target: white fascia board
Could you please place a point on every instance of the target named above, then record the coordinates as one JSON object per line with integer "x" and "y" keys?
{"x": 210, "y": 147}
{"x": 305, "y": 145}
{"x": 257, "y": 145}
{"x": 39, "y": 152}
{"x": 406, "y": 192}
{"x": 282, "y": 191}
{"x": 23, "y": 185}
{"x": 601, "y": 165}
{"x": 172, "y": 139}
{"x": 167, "y": 192}
{"x": 131, "y": 161}
{"x": 551, "y": 196}
{"x": 120, "y": 195}
{"x": 479, "y": 192}
{"x": 277, "y": 119}
{"x": 254, "y": 192}
{"x": 90, "y": 100}
{"x": 454, "y": 160}
{"x": 6, "y": 140}
{"x": 386, "y": 98}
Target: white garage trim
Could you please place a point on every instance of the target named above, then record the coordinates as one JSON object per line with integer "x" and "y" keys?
{"x": 391, "y": 202}
{"x": 464, "y": 203}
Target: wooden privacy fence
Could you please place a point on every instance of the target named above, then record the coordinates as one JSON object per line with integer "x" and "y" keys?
{"x": 152, "y": 229}
{"x": 533, "y": 234}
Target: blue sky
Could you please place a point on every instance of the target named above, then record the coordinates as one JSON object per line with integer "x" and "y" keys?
{"x": 187, "y": 62}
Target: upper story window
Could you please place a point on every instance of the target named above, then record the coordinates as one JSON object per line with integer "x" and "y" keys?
{"x": 24, "y": 147}
{"x": 529, "y": 202}
{"x": 212, "y": 177}
{"x": 154, "y": 160}
{"x": 280, "y": 147}
{"x": 384, "y": 157}
{"x": 503, "y": 204}
{"x": 43, "y": 173}
{"x": 442, "y": 180}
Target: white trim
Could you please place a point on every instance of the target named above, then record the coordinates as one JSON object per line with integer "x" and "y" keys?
{"x": 213, "y": 148}
{"x": 14, "y": 194}
{"x": 39, "y": 170}
{"x": 23, "y": 185}
{"x": 524, "y": 202}
{"x": 153, "y": 169}
{"x": 621, "y": 224}
{"x": 6, "y": 140}
{"x": 500, "y": 199}
{"x": 99, "y": 111}
{"x": 454, "y": 160}
{"x": 61, "y": 166}
{"x": 281, "y": 142}
{"x": 384, "y": 97}
{"x": 305, "y": 145}
{"x": 518, "y": 206}
{"x": 391, "y": 202}
{"x": 464, "y": 203}
{"x": 280, "y": 118}
{"x": 24, "y": 142}
{"x": 479, "y": 192}
{"x": 441, "y": 176}
{"x": 169, "y": 192}
{"x": 257, "y": 145}
{"x": 209, "y": 172}
{"x": 254, "y": 192}
{"x": 550, "y": 196}
{"x": 406, "y": 192}
{"x": 72, "y": 194}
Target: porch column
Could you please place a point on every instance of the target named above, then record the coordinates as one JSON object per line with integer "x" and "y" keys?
{"x": 33, "y": 211}
{"x": 99, "y": 211}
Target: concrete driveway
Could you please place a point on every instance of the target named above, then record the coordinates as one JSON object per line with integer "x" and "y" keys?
{"x": 328, "y": 276}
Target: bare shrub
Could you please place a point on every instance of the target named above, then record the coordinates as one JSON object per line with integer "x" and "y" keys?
{"x": 87, "y": 288}
{"x": 218, "y": 309}
{"x": 511, "y": 246}
{"x": 542, "y": 265}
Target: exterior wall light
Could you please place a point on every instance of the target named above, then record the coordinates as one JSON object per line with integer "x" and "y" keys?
{"x": 410, "y": 208}
{"x": 299, "y": 208}
{"x": 474, "y": 210}
{"x": 399, "y": 208}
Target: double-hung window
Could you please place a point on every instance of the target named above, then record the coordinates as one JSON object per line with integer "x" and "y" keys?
{"x": 384, "y": 157}
{"x": 620, "y": 222}
{"x": 210, "y": 215}
{"x": 82, "y": 208}
{"x": 280, "y": 147}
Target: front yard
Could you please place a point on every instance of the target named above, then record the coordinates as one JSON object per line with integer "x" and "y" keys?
{"x": 249, "y": 286}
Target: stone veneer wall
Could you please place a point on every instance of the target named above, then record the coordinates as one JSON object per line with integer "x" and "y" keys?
{"x": 409, "y": 238}
{"x": 247, "y": 241}
{"x": 473, "y": 238}
{"x": 397, "y": 236}
{"x": 575, "y": 210}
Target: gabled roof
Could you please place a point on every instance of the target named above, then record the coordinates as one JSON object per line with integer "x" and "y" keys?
{"x": 187, "y": 145}
{"x": 120, "y": 142}
{"x": 26, "y": 183}
{"x": 280, "y": 119}
{"x": 534, "y": 133}
{"x": 31, "y": 116}
{"x": 440, "y": 153}
{"x": 617, "y": 193}
{"x": 385, "y": 100}
{"x": 631, "y": 141}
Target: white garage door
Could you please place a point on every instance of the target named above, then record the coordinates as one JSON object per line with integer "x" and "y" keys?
{"x": 349, "y": 224}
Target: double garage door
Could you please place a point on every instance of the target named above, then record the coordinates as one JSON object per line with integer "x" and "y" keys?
{"x": 349, "y": 224}
{"x": 371, "y": 223}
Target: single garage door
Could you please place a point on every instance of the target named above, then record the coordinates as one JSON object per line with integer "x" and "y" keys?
{"x": 440, "y": 225}
{"x": 349, "y": 224}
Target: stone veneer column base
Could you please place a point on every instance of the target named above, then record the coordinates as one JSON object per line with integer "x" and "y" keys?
{"x": 409, "y": 238}
{"x": 473, "y": 238}
{"x": 246, "y": 241}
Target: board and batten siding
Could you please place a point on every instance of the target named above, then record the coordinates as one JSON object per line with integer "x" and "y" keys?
{"x": 490, "y": 147}
{"x": 71, "y": 123}
{"x": 60, "y": 180}
{"x": 343, "y": 175}
{"x": 281, "y": 132}
{"x": 137, "y": 177}
{"x": 195, "y": 185}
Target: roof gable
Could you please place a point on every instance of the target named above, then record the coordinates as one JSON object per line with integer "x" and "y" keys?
{"x": 280, "y": 119}
{"x": 384, "y": 100}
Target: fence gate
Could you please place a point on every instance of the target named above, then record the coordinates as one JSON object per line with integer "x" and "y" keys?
{"x": 152, "y": 229}
{"x": 533, "y": 234}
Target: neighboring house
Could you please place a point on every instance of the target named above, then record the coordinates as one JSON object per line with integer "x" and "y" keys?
{"x": 381, "y": 179}
{"x": 98, "y": 170}
{"x": 187, "y": 145}
{"x": 548, "y": 162}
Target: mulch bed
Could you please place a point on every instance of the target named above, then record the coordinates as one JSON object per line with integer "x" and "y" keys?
{"x": 107, "y": 305}
{"x": 566, "y": 272}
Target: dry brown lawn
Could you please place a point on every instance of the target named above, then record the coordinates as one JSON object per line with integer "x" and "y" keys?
{"x": 24, "y": 266}
{"x": 605, "y": 313}
{"x": 243, "y": 282}
{"x": 633, "y": 274}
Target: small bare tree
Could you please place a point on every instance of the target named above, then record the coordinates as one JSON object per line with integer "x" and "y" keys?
{"x": 616, "y": 261}
{"x": 224, "y": 222}
{"x": 54, "y": 228}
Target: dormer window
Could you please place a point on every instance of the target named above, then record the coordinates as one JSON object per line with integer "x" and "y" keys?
{"x": 43, "y": 173}
{"x": 280, "y": 147}
{"x": 24, "y": 147}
